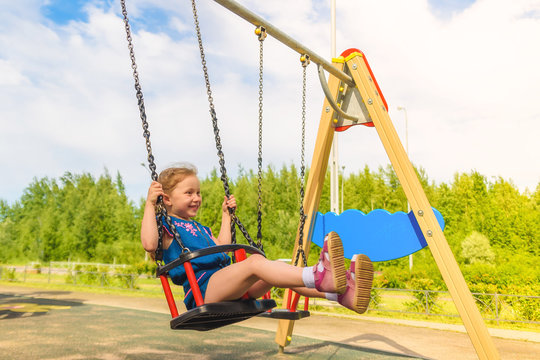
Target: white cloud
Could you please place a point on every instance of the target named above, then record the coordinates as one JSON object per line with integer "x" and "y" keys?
{"x": 469, "y": 82}
{"x": 10, "y": 75}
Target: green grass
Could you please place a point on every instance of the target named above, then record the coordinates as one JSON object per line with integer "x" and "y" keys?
{"x": 87, "y": 289}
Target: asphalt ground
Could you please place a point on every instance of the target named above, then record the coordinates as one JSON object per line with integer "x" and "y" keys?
{"x": 48, "y": 324}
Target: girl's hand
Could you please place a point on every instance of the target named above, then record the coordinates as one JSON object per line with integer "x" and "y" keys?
{"x": 228, "y": 203}
{"x": 155, "y": 190}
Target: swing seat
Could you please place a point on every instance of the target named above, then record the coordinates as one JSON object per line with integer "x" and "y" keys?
{"x": 284, "y": 314}
{"x": 215, "y": 315}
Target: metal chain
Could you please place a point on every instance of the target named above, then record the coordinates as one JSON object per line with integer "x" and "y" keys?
{"x": 261, "y": 32}
{"x": 146, "y": 134}
{"x": 139, "y": 94}
{"x": 221, "y": 156}
{"x": 305, "y": 62}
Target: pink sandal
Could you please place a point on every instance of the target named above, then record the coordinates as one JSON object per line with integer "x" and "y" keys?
{"x": 359, "y": 282}
{"x": 330, "y": 274}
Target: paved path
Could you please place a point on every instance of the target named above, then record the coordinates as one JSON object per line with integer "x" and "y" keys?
{"x": 80, "y": 325}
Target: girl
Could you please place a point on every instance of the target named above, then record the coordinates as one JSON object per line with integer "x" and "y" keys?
{"x": 221, "y": 281}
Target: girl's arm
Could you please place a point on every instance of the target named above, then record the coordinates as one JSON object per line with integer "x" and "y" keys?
{"x": 149, "y": 231}
{"x": 224, "y": 236}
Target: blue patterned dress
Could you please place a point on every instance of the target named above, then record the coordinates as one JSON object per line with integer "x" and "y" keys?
{"x": 194, "y": 236}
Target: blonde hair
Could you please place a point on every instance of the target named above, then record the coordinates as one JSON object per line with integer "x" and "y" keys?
{"x": 174, "y": 174}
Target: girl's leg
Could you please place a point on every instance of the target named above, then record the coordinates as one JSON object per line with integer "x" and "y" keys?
{"x": 233, "y": 281}
{"x": 260, "y": 288}
{"x": 312, "y": 293}
{"x": 328, "y": 275}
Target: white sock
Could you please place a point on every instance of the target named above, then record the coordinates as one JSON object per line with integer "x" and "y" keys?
{"x": 308, "y": 277}
{"x": 353, "y": 275}
{"x": 331, "y": 296}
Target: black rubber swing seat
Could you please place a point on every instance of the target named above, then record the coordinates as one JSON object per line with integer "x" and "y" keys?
{"x": 284, "y": 314}
{"x": 214, "y": 315}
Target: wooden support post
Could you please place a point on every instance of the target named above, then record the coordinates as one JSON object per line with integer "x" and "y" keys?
{"x": 314, "y": 187}
{"x": 375, "y": 104}
{"x": 423, "y": 212}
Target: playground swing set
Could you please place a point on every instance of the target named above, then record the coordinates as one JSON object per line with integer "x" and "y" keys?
{"x": 352, "y": 97}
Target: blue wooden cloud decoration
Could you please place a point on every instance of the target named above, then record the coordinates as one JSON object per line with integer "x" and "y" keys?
{"x": 379, "y": 234}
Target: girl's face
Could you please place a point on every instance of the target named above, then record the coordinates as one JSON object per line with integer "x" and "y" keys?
{"x": 185, "y": 199}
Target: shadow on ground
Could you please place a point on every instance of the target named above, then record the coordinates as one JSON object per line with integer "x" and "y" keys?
{"x": 17, "y": 306}
{"x": 34, "y": 326}
{"x": 348, "y": 344}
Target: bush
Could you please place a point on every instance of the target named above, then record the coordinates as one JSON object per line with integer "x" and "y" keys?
{"x": 476, "y": 249}
{"x": 143, "y": 267}
{"x": 87, "y": 275}
{"x": 37, "y": 268}
{"x": 8, "y": 273}
{"x": 528, "y": 308}
{"x": 483, "y": 274}
{"x": 390, "y": 278}
{"x": 423, "y": 298}
{"x": 483, "y": 296}
{"x": 126, "y": 281}
{"x": 375, "y": 298}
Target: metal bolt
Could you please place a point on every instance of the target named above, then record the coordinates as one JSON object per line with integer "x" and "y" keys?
{"x": 370, "y": 102}
{"x": 429, "y": 233}
{"x": 420, "y": 212}
{"x": 327, "y": 109}
{"x": 354, "y": 66}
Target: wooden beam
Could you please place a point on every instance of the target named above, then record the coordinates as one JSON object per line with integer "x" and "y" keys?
{"x": 423, "y": 212}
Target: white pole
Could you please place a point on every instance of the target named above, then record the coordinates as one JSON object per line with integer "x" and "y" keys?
{"x": 334, "y": 155}
{"x": 342, "y": 182}
{"x": 333, "y": 30}
{"x": 407, "y": 150}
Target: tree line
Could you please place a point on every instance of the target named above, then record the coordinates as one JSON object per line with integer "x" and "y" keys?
{"x": 492, "y": 228}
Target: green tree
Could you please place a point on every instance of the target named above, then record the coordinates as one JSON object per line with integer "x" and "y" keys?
{"x": 70, "y": 218}
{"x": 476, "y": 249}
{"x": 510, "y": 219}
{"x": 359, "y": 191}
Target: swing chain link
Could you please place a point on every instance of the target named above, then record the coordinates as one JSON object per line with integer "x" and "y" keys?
{"x": 221, "y": 156}
{"x": 305, "y": 62}
{"x": 146, "y": 135}
{"x": 261, "y": 32}
{"x": 139, "y": 94}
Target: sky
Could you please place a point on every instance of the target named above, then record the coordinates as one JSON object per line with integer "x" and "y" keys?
{"x": 465, "y": 71}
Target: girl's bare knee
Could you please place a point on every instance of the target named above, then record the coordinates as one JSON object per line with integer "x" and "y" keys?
{"x": 256, "y": 258}
{"x": 255, "y": 261}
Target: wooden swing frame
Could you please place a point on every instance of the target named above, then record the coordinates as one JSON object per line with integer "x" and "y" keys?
{"x": 352, "y": 70}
